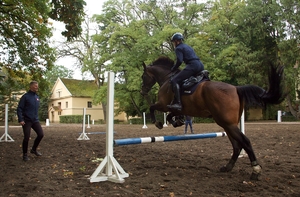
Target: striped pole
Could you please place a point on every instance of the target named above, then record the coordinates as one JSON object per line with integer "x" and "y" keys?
{"x": 128, "y": 141}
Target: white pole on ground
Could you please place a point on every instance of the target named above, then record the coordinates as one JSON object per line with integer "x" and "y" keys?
{"x": 83, "y": 135}
{"x": 165, "y": 121}
{"x": 279, "y": 116}
{"x": 93, "y": 122}
{"x": 88, "y": 122}
{"x": 242, "y": 128}
{"x": 144, "y": 117}
{"x": 47, "y": 122}
{"x": 6, "y": 136}
{"x": 113, "y": 171}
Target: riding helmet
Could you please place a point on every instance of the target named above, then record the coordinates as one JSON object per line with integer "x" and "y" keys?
{"x": 177, "y": 36}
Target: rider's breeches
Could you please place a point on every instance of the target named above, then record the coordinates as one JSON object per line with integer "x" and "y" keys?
{"x": 188, "y": 71}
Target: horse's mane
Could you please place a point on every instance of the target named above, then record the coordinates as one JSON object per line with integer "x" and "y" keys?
{"x": 163, "y": 61}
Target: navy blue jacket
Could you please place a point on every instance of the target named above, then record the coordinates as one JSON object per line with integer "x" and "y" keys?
{"x": 184, "y": 53}
{"x": 28, "y": 107}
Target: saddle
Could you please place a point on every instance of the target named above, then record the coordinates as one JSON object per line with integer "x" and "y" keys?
{"x": 189, "y": 85}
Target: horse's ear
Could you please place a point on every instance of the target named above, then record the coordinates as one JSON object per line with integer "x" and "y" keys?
{"x": 144, "y": 65}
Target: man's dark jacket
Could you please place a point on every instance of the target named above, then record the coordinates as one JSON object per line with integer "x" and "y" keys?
{"x": 28, "y": 107}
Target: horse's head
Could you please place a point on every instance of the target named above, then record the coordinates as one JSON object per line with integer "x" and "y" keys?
{"x": 159, "y": 71}
{"x": 148, "y": 80}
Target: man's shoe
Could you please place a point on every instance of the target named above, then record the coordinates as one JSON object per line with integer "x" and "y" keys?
{"x": 25, "y": 158}
{"x": 175, "y": 106}
{"x": 35, "y": 152}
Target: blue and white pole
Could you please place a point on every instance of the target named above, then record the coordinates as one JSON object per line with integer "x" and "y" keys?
{"x": 129, "y": 141}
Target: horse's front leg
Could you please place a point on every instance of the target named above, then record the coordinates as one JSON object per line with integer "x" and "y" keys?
{"x": 179, "y": 120}
{"x": 158, "y": 124}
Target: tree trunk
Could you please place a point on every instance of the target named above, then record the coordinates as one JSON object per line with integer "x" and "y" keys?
{"x": 292, "y": 110}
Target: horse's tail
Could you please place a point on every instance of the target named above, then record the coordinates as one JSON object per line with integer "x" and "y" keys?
{"x": 253, "y": 95}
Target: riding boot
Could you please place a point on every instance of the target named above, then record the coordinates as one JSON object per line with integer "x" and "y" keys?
{"x": 177, "y": 101}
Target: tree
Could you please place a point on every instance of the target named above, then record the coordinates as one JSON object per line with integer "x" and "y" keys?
{"x": 57, "y": 71}
{"x": 134, "y": 33}
{"x": 25, "y": 31}
{"x": 83, "y": 50}
{"x": 70, "y": 12}
{"x": 10, "y": 90}
{"x": 236, "y": 40}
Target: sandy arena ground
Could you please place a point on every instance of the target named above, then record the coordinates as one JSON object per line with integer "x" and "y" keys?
{"x": 162, "y": 169}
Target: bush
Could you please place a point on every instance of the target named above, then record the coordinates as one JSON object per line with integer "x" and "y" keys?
{"x": 288, "y": 118}
{"x": 136, "y": 121}
{"x": 73, "y": 118}
{"x": 203, "y": 120}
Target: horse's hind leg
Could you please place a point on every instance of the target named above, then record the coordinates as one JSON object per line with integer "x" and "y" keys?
{"x": 239, "y": 141}
{"x": 236, "y": 151}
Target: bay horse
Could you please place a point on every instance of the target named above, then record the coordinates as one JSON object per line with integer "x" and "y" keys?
{"x": 221, "y": 101}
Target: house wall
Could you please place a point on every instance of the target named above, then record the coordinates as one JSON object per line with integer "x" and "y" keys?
{"x": 63, "y": 103}
{"x": 74, "y": 106}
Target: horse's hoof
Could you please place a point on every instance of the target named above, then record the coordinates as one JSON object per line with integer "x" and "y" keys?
{"x": 256, "y": 172}
{"x": 228, "y": 166}
{"x": 255, "y": 176}
{"x": 179, "y": 123}
{"x": 159, "y": 125}
{"x": 224, "y": 169}
{"x": 174, "y": 124}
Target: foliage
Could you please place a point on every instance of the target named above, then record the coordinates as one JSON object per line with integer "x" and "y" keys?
{"x": 236, "y": 40}
{"x": 24, "y": 37}
{"x": 57, "y": 72}
{"x": 72, "y": 118}
{"x": 10, "y": 91}
{"x": 70, "y": 12}
{"x": 25, "y": 32}
{"x": 133, "y": 34}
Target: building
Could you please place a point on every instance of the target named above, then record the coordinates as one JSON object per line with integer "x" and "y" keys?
{"x": 71, "y": 96}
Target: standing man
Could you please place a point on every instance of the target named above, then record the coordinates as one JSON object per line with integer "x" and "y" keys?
{"x": 27, "y": 112}
{"x": 186, "y": 54}
{"x": 188, "y": 121}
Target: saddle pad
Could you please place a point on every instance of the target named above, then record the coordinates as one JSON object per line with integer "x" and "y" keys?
{"x": 191, "y": 89}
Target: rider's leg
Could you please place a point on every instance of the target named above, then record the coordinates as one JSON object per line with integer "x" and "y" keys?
{"x": 175, "y": 81}
{"x": 177, "y": 101}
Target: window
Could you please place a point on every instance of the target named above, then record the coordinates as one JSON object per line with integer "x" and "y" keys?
{"x": 67, "y": 104}
{"x": 58, "y": 92}
{"x": 89, "y": 104}
{"x": 59, "y": 108}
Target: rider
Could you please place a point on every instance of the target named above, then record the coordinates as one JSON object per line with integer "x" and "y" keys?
{"x": 186, "y": 54}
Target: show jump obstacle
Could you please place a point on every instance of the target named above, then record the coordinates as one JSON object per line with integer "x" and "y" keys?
{"x": 109, "y": 169}
{"x": 6, "y": 137}
{"x": 128, "y": 141}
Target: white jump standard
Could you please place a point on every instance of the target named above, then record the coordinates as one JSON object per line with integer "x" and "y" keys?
{"x": 109, "y": 169}
{"x": 129, "y": 141}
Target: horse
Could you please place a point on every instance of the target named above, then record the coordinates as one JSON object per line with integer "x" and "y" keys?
{"x": 218, "y": 100}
